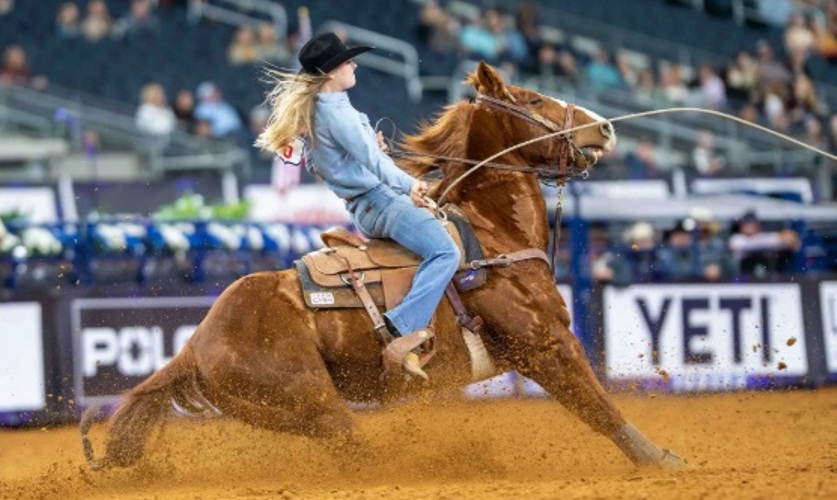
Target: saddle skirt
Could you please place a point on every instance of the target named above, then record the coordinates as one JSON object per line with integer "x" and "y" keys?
{"x": 385, "y": 267}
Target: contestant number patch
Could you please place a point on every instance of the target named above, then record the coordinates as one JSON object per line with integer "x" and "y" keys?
{"x": 293, "y": 153}
{"x": 321, "y": 298}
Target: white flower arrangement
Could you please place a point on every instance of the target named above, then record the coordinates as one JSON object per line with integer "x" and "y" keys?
{"x": 113, "y": 237}
{"x": 301, "y": 244}
{"x": 8, "y": 242}
{"x": 280, "y": 234}
{"x": 314, "y": 233}
{"x": 225, "y": 234}
{"x": 40, "y": 241}
{"x": 255, "y": 238}
{"x": 174, "y": 237}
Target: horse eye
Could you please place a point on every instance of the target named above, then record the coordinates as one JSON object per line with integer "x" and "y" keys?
{"x": 536, "y": 101}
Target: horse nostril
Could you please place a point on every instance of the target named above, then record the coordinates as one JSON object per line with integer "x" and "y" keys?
{"x": 607, "y": 129}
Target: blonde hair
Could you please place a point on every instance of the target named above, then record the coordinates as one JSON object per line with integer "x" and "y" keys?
{"x": 291, "y": 108}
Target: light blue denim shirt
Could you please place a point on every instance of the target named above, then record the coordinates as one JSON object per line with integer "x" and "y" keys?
{"x": 345, "y": 151}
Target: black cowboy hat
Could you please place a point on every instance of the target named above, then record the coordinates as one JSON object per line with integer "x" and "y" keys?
{"x": 325, "y": 52}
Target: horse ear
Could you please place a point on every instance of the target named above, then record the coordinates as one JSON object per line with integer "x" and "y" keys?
{"x": 488, "y": 81}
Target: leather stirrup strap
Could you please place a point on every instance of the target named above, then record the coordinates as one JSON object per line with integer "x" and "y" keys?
{"x": 474, "y": 324}
{"x": 368, "y": 303}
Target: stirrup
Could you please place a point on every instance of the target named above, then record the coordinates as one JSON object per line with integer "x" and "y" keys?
{"x": 404, "y": 352}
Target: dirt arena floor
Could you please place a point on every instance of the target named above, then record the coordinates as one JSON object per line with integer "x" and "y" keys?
{"x": 739, "y": 445}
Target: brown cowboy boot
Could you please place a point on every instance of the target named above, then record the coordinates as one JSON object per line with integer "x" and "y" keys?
{"x": 405, "y": 351}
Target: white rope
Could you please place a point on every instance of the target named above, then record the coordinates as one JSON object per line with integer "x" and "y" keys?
{"x": 628, "y": 117}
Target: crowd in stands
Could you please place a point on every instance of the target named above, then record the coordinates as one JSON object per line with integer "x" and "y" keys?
{"x": 768, "y": 84}
{"x": 757, "y": 85}
{"x": 697, "y": 249}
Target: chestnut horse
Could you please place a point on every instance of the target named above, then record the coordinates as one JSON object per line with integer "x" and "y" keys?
{"x": 262, "y": 356}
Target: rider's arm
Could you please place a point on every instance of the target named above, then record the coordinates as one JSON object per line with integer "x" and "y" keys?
{"x": 352, "y": 131}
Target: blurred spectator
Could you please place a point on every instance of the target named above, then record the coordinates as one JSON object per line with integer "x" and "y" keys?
{"x": 184, "y": 109}
{"x": 636, "y": 263}
{"x": 677, "y": 257}
{"x": 774, "y": 105}
{"x": 269, "y": 48}
{"x": 6, "y": 6}
{"x": 627, "y": 71}
{"x": 712, "y": 245}
{"x": 139, "y": 20}
{"x": 212, "y": 108}
{"x": 67, "y": 22}
{"x": 832, "y": 132}
{"x": 98, "y": 23}
{"x": 757, "y": 252}
{"x": 203, "y": 128}
{"x": 243, "y": 49}
{"x": 803, "y": 100}
{"x": 705, "y": 158}
{"x": 772, "y": 74}
{"x": 749, "y": 112}
{"x": 489, "y": 39}
{"x": 815, "y": 134}
{"x": 527, "y": 22}
{"x": 799, "y": 39}
{"x": 742, "y": 75}
{"x": 154, "y": 116}
{"x": 647, "y": 91}
{"x": 601, "y": 74}
{"x": 554, "y": 63}
{"x": 781, "y": 123}
{"x": 642, "y": 162}
{"x": 711, "y": 92}
{"x": 438, "y": 29}
{"x": 15, "y": 69}
{"x": 671, "y": 82}
{"x": 690, "y": 251}
{"x": 825, "y": 33}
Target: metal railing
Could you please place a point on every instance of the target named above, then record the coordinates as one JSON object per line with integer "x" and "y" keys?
{"x": 241, "y": 13}
{"x": 406, "y": 65}
{"x": 64, "y": 112}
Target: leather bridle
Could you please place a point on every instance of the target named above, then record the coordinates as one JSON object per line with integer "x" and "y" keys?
{"x": 567, "y": 149}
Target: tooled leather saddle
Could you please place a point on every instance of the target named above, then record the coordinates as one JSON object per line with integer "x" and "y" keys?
{"x": 385, "y": 267}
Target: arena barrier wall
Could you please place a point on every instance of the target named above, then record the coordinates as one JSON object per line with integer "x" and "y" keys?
{"x": 63, "y": 350}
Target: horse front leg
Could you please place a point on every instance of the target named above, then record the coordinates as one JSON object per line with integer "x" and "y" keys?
{"x": 541, "y": 347}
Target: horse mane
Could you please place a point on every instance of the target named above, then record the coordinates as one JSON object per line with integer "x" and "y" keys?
{"x": 447, "y": 136}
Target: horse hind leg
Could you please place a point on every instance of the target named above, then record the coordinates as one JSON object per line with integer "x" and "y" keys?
{"x": 317, "y": 419}
{"x": 326, "y": 418}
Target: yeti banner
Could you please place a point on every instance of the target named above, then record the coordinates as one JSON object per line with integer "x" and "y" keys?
{"x": 828, "y": 308}
{"x": 689, "y": 337}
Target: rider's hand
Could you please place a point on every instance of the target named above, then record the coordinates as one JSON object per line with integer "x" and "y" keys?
{"x": 381, "y": 143}
{"x": 418, "y": 192}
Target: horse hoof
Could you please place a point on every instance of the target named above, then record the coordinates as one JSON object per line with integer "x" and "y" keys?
{"x": 672, "y": 461}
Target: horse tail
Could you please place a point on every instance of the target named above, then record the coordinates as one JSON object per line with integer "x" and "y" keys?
{"x": 142, "y": 408}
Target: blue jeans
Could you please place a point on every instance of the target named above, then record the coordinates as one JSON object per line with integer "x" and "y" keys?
{"x": 381, "y": 213}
